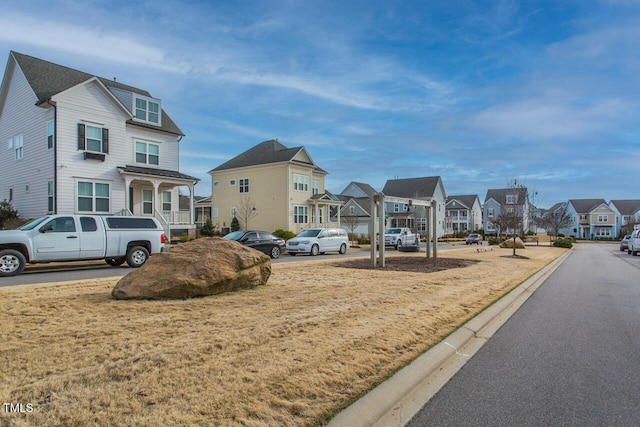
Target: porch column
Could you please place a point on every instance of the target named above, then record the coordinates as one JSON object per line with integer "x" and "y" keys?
{"x": 191, "y": 197}
{"x": 157, "y": 197}
{"x": 339, "y": 206}
{"x": 317, "y": 213}
{"x": 127, "y": 189}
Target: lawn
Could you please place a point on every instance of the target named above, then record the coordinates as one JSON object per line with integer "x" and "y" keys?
{"x": 296, "y": 351}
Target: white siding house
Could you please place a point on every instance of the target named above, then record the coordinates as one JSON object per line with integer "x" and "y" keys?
{"x": 73, "y": 142}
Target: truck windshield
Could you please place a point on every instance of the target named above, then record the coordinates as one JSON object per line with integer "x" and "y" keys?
{"x": 392, "y": 231}
{"x": 33, "y": 224}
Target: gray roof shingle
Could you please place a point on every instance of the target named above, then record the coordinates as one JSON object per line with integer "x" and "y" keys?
{"x": 627, "y": 207}
{"x": 586, "y": 205}
{"x": 48, "y": 79}
{"x": 157, "y": 172}
{"x": 412, "y": 187}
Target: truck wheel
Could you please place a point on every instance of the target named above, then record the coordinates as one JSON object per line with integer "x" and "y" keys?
{"x": 314, "y": 250}
{"x": 12, "y": 262}
{"x": 398, "y": 243}
{"x": 115, "y": 261}
{"x": 137, "y": 256}
{"x": 343, "y": 249}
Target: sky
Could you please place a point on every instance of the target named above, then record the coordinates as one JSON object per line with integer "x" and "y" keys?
{"x": 480, "y": 93}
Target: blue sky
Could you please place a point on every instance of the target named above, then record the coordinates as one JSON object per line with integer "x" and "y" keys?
{"x": 477, "y": 92}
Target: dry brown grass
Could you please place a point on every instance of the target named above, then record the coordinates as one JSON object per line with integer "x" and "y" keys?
{"x": 293, "y": 352}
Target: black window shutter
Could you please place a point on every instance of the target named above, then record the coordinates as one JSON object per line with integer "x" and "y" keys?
{"x": 81, "y": 138}
{"x": 105, "y": 140}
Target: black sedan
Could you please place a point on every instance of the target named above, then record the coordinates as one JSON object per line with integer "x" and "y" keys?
{"x": 260, "y": 240}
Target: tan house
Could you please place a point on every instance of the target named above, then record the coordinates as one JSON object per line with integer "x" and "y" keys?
{"x": 271, "y": 187}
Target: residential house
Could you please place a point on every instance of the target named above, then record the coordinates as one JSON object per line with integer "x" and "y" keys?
{"x": 415, "y": 217}
{"x": 627, "y": 214}
{"x": 591, "y": 219}
{"x": 463, "y": 214}
{"x": 202, "y": 206}
{"x": 73, "y": 142}
{"x": 356, "y": 208}
{"x": 505, "y": 201}
{"x": 273, "y": 187}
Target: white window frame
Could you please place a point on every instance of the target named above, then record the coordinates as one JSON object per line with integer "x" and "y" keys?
{"x": 315, "y": 187}
{"x": 232, "y": 182}
{"x": 300, "y": 182}
{"x": 603, "y": 218}
{"x": 313, "y": 216}
{"x": 165, "y": 203}
{"x": 142, "y": 111}
{"x": 300, "y": 214}
{"x": 490, "y": 212}
{"x": 352, "y": 210}
{"x": 243, "y": 185}
{"x": 50, "y": 196}
{"x": 511, "y": 199}
{"x": 146, "y": 203}
{"x": 18, "y": 147}
{"x": 50, "y": 135}
{"x": 148, "y": 156}
{"x": 94, "y": 197}
{"x": 214, "y": 213}
{"x": 216, "y": 184}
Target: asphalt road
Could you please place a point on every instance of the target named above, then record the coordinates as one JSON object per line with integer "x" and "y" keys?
{"x": 569, "y": 357}
{"x": 62, "y": 272}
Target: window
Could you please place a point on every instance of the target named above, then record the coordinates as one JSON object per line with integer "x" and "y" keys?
{"x": 352, "y": 210}
{"x": 147, "y": 201}
{"x": 396, "y": 207}
{"x": 216, "y": 184}
{"x": 490, "y": 213}
{"x": 214, "y": 213}
{"x": 18, "y": 143}
{"x": 243, "y": 185}
{"x": 300, "y": 214}
{"x": 93, "y": 197}
{"x": 313, "y": 216}
{"x": 232, "y": 182}
{"x": 233, "y": 212}
{"x": 146, "y": 109}
{"x": 315, "y": 186}
{"x": 166, "y": 200}
{"x": 603, "y": 218}
{"x": 129, "y": 222}
{"x": 88, "y": 224}
{"x": 511, "y": 199}
{"x": 10, "y": 194}
{"x": 147, "y": 153}
{"x": 62, "y": 224}
{"x": 92, "y": 138}
{"x": 583, "y": 217}
{"x": 50, "y": 192}
{"x": 50, "y": 134}
{"x": 300, "y": 182}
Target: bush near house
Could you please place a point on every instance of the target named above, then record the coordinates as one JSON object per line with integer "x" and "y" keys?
{"x": 563, "y": 242}
{"x": 7, "y": 212}
{"x": 284, "y": 234}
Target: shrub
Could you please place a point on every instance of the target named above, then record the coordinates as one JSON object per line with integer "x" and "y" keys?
{"x": 284, "y": 234}
{"x": 6, "y": 212}
{"x": 363, "y": 239}
{"x": 235, "y": 224}
{"x": 208, "y": 229}
{"x": 495, "y": 240}
{"x": 563, "y": 242}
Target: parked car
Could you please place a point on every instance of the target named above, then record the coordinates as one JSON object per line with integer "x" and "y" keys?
{"x": 474, "y": 238}
{"x": 316, "y": 241}
{"x": 260, "y": 240}
{"x": 624, "y": 243}
{"x": 115, "y": 239}
{"x": 633, "y": 246}
{"x": 401, "y": 236}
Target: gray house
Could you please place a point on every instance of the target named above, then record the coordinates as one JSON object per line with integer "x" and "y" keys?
{"x": 403, "y": 215}
{"x": 463, "y": 214}
{"x": 627, "y": 214}
{"x": 504, "y": 201}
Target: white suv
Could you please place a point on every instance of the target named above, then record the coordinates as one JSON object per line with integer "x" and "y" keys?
{"x": 316, "y": 241}
{"x": 633, "y": 247}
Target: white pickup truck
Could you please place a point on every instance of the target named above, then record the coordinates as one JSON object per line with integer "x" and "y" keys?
{"x": 400, "y": 236}
{"x": 115, "y": 239}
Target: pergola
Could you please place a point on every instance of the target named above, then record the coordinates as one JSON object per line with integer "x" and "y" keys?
{"x": 378, "y": 215}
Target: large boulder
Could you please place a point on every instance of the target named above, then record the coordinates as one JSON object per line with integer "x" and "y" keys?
{"x": 202, "y": 267}
{"x": 509, "y": 243}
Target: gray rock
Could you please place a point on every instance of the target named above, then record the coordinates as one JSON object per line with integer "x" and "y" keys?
{"x": 201, "y": 267}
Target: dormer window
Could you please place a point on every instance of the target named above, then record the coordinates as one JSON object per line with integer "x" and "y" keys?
{"x": 146, "y": 110}
{"x": 511, "y": 199}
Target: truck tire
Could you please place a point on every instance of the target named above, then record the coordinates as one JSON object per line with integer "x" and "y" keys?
{"x": 137, "y": 256}
{"x": 12, "y": 262}
{"x": 115, "y": 261}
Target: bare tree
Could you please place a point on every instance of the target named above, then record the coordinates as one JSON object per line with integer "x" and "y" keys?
{"x": 553, "y": 222}
{"x": 246, "y": 211}
{"x": 512, "y": 215}
{"x": 351, "y": 222}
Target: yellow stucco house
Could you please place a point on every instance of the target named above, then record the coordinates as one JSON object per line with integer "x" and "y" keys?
{"x": 271, "y": 187}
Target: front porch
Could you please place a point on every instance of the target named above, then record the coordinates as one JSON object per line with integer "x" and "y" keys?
{"x": 155, "y": 192}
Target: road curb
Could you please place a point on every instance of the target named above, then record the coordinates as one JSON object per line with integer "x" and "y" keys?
{"x": 398, "y": 399}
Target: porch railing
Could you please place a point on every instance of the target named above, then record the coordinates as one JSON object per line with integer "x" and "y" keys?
{"x": 176, "y": 217}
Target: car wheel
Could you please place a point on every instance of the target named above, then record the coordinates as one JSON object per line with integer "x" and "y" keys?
{"x": 629, "y": 251}
{"x": 115, "y": 261}
{"x": 314, "y": 250}
{"x": 343, "y": 249}
{"x": 12, "y": 262}
{"x": 137, "y": 256}
{"x": 275, "y": 252}
{"x": 397, "y": 244}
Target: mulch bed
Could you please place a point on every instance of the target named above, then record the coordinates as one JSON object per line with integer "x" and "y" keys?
{"x": 411, "y": 264}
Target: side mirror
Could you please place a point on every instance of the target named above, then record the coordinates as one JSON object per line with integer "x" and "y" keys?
{"x": 46, "y": 228}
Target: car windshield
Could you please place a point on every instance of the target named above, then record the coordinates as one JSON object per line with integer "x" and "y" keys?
{"x": 309, "y": 233}
{"x": 33, "y": 224}
{"x": 392, "y": 231}
{"x": 236, "y": 235}
{"x": 473, "y": 236}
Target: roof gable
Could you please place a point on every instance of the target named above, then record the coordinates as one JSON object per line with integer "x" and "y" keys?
{"x": 500, "y": 195}
{"x": 412, "y": 187}
{"x": 582, "y": 206}
{"x": 626, "y": 207}
{"x": 466, "y": 201}
{"x": 358, "y": 189}
{"x": 268, "y": 152}
{"x": 47, "y": 79}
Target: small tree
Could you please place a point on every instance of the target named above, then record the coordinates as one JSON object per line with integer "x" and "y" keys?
{"x": 235, "y": 224}
{"x": 553, "y": 222}
{"x": 208, "y": 230}
{"x": 512, "y": 215}
{"x": 7, "y": 212}
{"x": 246, "y": 210}
{"x": 351, "y": 222}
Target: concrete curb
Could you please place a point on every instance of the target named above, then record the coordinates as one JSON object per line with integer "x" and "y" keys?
{"x": 398, "y": 399}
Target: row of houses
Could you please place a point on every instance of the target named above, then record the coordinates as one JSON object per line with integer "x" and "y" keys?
{"x": 73, "y": 142}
